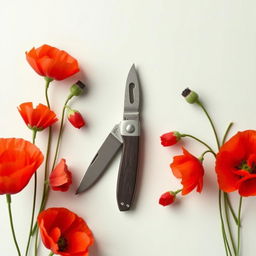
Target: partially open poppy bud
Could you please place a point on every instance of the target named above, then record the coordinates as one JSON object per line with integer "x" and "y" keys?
{"x": 77, "y": 88}
{"x": 190, "y": 96}
{"x": 60, "y": 178}
{"x": 170, "y": 138}
{"x": 167, "y": 198}
{"x": 75, "y": 118}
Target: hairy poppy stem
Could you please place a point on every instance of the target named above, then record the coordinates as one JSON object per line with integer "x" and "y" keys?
{"x": 34, "y": 200}
{"x": 9, "y": 200}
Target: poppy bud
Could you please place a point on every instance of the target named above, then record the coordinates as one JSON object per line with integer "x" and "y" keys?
{"x": 77, "y": 88}
{"x": 75, "y": 118}
{"x": 170, "y": 138}
{"x": 190, "y": 96}
{"x": 167, "y": 198}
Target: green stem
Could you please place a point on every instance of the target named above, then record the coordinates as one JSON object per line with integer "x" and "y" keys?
{"x": 200, "y": 141}
{"x": 56, "y": 151}
{"x": 204, "y": 153}
{"x": 228, "y": 223}
{"x": 239, "y": 225}
{"x": 211, "y": 122}
{"x": 51, "y": 254}
{"x": 34, "y": 201}
{"x": 226, "y": 133}
{"x": 47, "y": 152}
{"x": 48, "y": 81}
{"x": 36, "y": 241}
{"x": 8, "y": 198}
{"x": 232, "y": 210}
{"x": 225, "y": 240}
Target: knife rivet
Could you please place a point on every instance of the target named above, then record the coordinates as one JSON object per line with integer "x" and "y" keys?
{"x": 122, "y": 203}
{"x": 127, "y": 205}
{"x": 130, "y": 128}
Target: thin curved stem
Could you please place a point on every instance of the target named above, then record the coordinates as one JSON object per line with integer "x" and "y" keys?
{"x": 34, "y": 201}
{"x": 228, "y": 224}
{"x": 232, "y": 210}
{"x": 51, "y": 254}
{"x": 239, "y": 225}
{"x": 36, "y": 241}
{"x": 9, "y": 200}
{"x": 200, "y": 141}
{"x": 46, "y": 92}
{"x": 56, "y": 151}
{"x": 226, "y": 133}
{"x": 225, "y": 240}
{"x": 204, "y": 153}
{"x": 47, "y": 151}
{"x": 211, "y": 122}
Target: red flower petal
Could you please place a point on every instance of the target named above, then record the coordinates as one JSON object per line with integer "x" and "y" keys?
{"x": 60, "y": 178}
{"x": 189, "y": 169}
{"x": 39, "y": 118}
{"x": 19, "y": 159}
{"x": 51, "y": 62}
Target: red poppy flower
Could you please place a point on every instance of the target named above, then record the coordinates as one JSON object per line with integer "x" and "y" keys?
{"x": 19, "y": 159}
{"x": 189, "y": 169}
{"x": 170, "y": 138}
{"x": 64, "y": 233}
{"x": 236, "y": 164}
{"x": 167, "y": 198}
{"x": 37, "y": 118}
{"x": 75, "y": 118}
{"x": 51, "y": 62}
{"x": 60, "y": 178}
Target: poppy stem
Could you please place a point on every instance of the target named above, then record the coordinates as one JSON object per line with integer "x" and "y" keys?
{"x": 48, "y": 150}
{"x": 61, "y": 130}
{"x": 34, "y": 200}
{"x": 8, "y": 198}
{"x": 228, "y": 224}
{"x": 36, "y": 242}
{"x": 232, "y": 211}
{"x": 48, "y": 81}
{"x": 201, "y": 158}
{"x": 211, "y": 122}
{"x": 226, "y": 133}
{"x": 239, "y": 225}
{"x": 224, "y": 234}
{"x": 200, "y": 141}
{"x": 51, "y": 254}
{"x": 45, "y": 196}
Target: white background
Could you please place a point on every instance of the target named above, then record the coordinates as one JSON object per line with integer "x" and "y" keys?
{"x": 207, "y": 45}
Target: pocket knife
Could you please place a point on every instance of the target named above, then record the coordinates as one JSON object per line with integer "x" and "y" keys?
{"x": 126, "y": 134}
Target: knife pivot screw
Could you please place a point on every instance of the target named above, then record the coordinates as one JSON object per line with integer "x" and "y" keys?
{"x": 130, "y": 128}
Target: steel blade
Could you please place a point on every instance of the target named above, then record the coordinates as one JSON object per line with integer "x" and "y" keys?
{"x": 101, "y": 160}
{"x": 132, "y": 96}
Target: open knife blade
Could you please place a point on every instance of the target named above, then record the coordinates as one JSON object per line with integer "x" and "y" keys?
{"x": 101, "y": 160}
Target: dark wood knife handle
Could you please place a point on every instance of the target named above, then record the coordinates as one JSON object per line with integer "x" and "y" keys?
{"x": 127, "y": 172}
